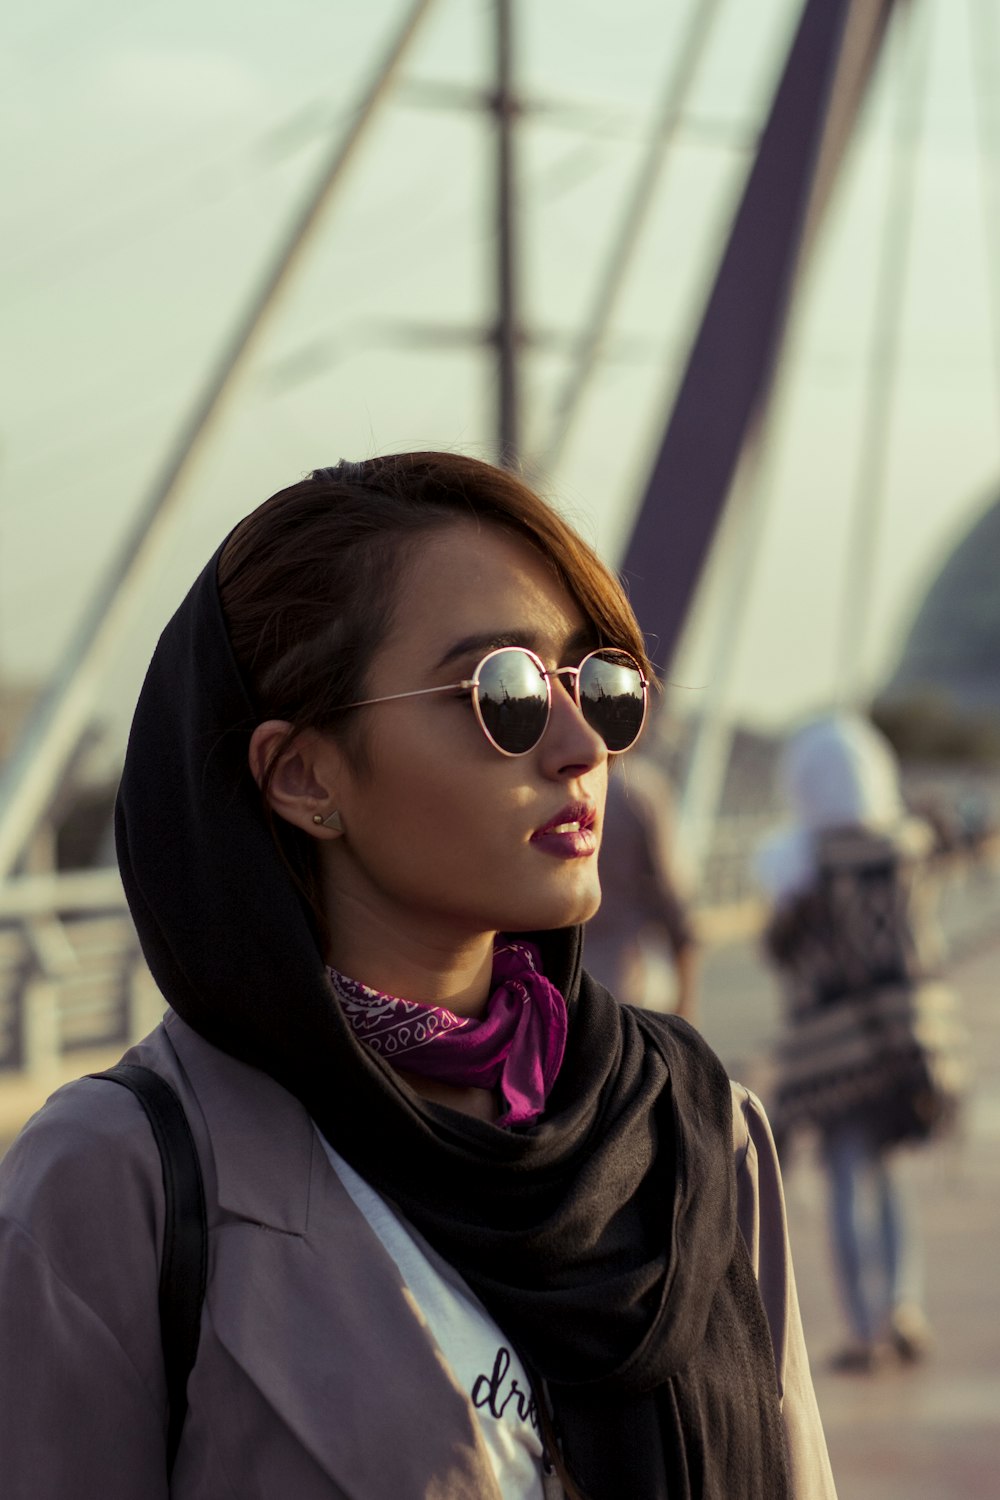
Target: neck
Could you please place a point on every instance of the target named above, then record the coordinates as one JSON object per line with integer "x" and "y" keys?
{"x": 434, "y": 969}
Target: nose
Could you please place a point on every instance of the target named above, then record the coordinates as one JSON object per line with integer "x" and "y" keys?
{"x": 569, "y": 747}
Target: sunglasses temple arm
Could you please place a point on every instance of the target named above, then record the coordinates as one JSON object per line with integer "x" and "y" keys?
{"x": 448, "y": 687}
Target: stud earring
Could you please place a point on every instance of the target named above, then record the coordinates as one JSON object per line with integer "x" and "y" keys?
{"x": 333, "y": 821}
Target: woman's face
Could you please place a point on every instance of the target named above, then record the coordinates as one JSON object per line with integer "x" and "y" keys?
{"x": 443, "y": 834}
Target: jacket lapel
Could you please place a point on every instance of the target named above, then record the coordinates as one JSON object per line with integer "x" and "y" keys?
{"x": 308, "y": 1302}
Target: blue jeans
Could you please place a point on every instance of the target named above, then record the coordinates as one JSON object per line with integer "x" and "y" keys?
{"x": 876, "y": 1260}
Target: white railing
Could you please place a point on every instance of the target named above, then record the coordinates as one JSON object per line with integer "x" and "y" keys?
{"x": 71, "y": 974}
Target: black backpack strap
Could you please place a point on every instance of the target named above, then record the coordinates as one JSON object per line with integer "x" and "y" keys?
{"x": 184, "y": 1268}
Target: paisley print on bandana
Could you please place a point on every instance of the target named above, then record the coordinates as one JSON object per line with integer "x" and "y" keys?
{"x": 388, "y": 1025}
{"x": 517, "y": 1045}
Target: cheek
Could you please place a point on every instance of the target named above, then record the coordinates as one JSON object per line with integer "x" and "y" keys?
{"x": 425, "y": 812}
{"x": 449, "y": 834}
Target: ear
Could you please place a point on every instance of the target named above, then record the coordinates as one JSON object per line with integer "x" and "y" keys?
{"x": 303, "y": 780}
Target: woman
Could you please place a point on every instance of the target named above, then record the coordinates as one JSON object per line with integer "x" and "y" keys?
{"x": 844, "y": 932}
{"x": 485, "y": 1240}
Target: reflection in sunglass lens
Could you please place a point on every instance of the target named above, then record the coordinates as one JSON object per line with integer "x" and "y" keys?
{"x": 513, "y": 701}
{"x": 612, "y": 699}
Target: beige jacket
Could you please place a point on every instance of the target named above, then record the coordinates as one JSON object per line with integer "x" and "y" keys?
{"x": 316, "y": 1377}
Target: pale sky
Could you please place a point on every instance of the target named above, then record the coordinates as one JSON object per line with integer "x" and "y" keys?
{"x": 154, "y": 155}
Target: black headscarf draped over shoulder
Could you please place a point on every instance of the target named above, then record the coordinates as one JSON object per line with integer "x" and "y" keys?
{"x": 603, "y": 1239}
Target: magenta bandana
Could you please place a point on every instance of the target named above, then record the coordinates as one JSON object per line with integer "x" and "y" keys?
{"x": 518, "y": 1045}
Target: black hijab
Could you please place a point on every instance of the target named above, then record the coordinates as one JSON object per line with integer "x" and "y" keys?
{"x": 603, "y": 1239}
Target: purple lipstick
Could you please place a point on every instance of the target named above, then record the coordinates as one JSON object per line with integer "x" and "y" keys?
{"x": 570, "y": 834}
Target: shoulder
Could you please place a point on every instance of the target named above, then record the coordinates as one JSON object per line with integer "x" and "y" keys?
{"x": 741, "y": 1131}
{"x": 699, "y": 1083}
{"x": 697, "y": 1069}
{"x": 683, "y": 1044}
{"x": 86, "y": 1133}
{"x": 81, "y": 1229}
{"x": 760, "y": 1198}
{"x": 83, "y": 1182}
{"x": 81, "y": 1226}
{"x": 751, "y": 1127}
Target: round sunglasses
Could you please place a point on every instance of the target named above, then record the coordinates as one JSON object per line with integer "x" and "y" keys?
{"x": 511, "y": 691}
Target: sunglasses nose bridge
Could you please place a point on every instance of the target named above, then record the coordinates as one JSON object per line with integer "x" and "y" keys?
{"x": 572, "y": 690}
{"x": 572, "y": 687}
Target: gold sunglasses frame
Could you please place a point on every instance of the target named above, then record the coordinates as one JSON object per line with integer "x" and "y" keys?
{"x": 472, "y": 684}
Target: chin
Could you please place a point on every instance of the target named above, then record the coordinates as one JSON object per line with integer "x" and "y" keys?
{"x": 562, "y": 909}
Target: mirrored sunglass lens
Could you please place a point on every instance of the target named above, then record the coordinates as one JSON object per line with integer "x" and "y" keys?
{"x": 513, "y": 701}
{"x": 611, "y": 697}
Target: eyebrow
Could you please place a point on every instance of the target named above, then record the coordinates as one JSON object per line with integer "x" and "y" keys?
{"x": 494, "y": 640}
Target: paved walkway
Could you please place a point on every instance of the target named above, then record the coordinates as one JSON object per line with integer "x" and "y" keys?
{"x": 930, "y": 1432}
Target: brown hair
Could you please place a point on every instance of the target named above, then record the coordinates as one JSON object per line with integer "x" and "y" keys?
{"x": 309, "y": 579}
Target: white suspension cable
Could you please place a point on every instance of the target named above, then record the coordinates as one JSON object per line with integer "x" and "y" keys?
{"x": 867, "y": 504}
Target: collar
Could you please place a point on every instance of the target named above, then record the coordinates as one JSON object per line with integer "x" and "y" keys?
{"x": 261, "y": 1141}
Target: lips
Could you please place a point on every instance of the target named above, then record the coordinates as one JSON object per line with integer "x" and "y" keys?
{"x": 577, "y": 817}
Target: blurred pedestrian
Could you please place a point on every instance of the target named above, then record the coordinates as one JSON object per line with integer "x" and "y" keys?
{"x": 642, "y": 906}
{"x": 846, "y": 935}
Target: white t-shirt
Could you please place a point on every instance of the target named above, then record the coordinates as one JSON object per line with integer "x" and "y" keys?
{"x": 481, "y": 1359}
